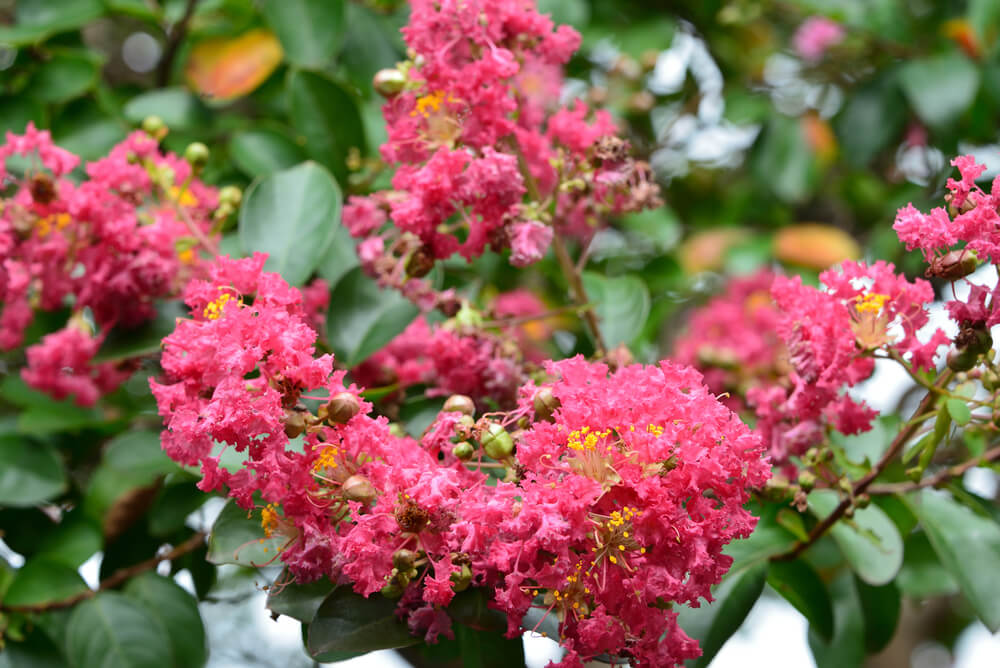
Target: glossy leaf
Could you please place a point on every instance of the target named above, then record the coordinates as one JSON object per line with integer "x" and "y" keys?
{"x": 365, "y": 317}
{"x": 225, "y": 68}
{"x": 959, "y": 411}
{"x": 799, "y": 584}
{"x": 177, "y": 612}
{"x": 260, "y": 152}
{"x": 327, "y": 119}
{"x": 237, "y": 538}
{"x": 310, "y": 30}
{"x": 340, "y": 257}
{"x": 178, "y": 108}
{"x": 922, "y": 575}
{"x": 41, "y": 581}
{"x": 471, "y": 608}
{"x": 295, "y": 600}
{"x": 146, "y": 339}
{"x": 36, "y": 20}
{"x": 881, "y": 607}
{"x": 848, "y": 645}
{"x": 622, "y": 304}
{"x": 968, "y": 546}
{"x": 30, "y": 472}
{"x": 67, "y": 75}
{"x": 349, "y": 622}
{"x": 712, "y": 624}
{"x": 940, "y": 87}
{"x": 869, "y": 541}
{"x": 73, "y": 541}
{"x": 114, "y": 631}
{"x": 292, "y": 216}
{"x": 488, "y": 649}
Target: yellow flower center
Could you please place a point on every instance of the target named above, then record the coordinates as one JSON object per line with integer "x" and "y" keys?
{"x": 214, "y": 309}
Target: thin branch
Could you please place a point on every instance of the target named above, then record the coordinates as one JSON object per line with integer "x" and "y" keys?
{"x": 895, "y": 448}
{"x": 176, "y": 36}
{"x": 115, "y": 579}
{"x": 939, "y": 478}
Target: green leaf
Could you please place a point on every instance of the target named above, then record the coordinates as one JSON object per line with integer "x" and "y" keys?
{"x": 177, "y": 612}
{"x": 172, "y": 506}
{"x": 622, "y": 305}
{"x": 959, "y": 411}
{"x": 940, "y": 87}
{"x": 572, "y": 12}
{"x": 373, "y": 43}
{"x": 488, "y": 649}
{"x": 922, "y": 575}
{"x": 30, "y": 472}
{"x": 74, "y": 540}
{"x": 178, "y": 108}
{"x": 349, "y": 622}
{"x": 869, "y": 541}
{"x": 67, "y": 75}
{"x": 239, "y": 539}
{"x": 114, "y": 631}
{"x": 364, "y": 317}
{"x": 292, "y": 216}
{"x": 327, "y": 119}
{"x": 872, "y": 118}
{"x": 84, "y": 129}
{"x": 42, "y": 581}
{"x": 36, "y": 20}
{"x": 783, "y": 161}
{"x": 146, "y": 339}
{"x": 131, "y": 461}
{"x": 295, "y": 600}
{"x": 880, "y": 607}
{"x": 310, "y": 31}
{"x": 968, "y": 546}
{"x": 261, "y": 152}
{"x": 470, "y": 607}
{"x": 799, "y": 584}
{"x": 712, "y": 624}
{"x": 340, "y": 257}
{"x": 848, "y": 645}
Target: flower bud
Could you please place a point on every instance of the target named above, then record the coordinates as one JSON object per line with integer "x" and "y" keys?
{"x": 295, "y": 423}
{"x": 154, "y": 126}
{"x": 459, "y": 403}
{"x": 496, "y": 441}
{"x": 392, "y": 590}
{"x": 230, "y": 195}
{"x": 341, "y": 408}
{"x": 358, "y": 488}
{"x": 404, "y": 559}
{"x": 962, "y": 360}
{"x": 463, "y": 450}
{"x": 545, "y": 404}
{"x": 953, "y": 265}
{"x": 807, "y": 480}
{"x": 196, "y": 154}
{"x": 420, "y": 262}
{"x": 863, "y": 501}
{"x": 462, "y": 579}
{"x": 467, "y": 316}
{"x": 389, "y": 82}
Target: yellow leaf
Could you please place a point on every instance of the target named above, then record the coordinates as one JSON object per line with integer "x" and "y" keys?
{"x": 814, "y": 245}
{"x": 226, "y": 68}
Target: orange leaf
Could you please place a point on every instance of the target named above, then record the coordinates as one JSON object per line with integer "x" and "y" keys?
{"x": 814, "y": 245}
{"x": 225, "y": 68}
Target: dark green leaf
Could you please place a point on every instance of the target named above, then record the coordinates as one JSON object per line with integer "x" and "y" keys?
{"x": 114, "y": 631}
{"x": 349, "y": 622}
{"x": 172, "y": 506}
{"x": 295, "y": 600}
{"x": 177, "y": 612}
{"x": 848, "y": 645}
{"x": 84, "y": 129}
{"x": 488, "y": 649}
{"x": 373, "y": 43}
{"x": 146, "y": 339}
{"x": 178, "y": 108}
{"x": 42, "y": 581}
{"x": 872, "y": 118}
{"x": 36, "y": 651}
{"x": 327, "y": 119}
{"x": 310, "y": 31}
{"x": 470, "y": 607}
{"x": 880, "y": 607}
{"x": 783, "y": 161}
{"x": 799, "y": 584}
{"x": 67, "y": 75}
{"x": 959, "y": 411}
{"x": 922, "y": 575}
{"x": 968, "y": 546}
{"x": 239, "y": 539}
{"x": 712, "y": 624}
{"x": 35, "y": 20}
{"x": 622, "y": 304}
{"x": 340, "y": 257}
{"x": 74, "y": 540}
{"x": 292, "y": 216}
{"x": 364, "y": 317}
{"x": 30, "y": 472}
{"x": 16, "y": 111}
{"x": 869, "y": 541}
{"x": 261, "y": 152}
{"x": 940, "y": 87}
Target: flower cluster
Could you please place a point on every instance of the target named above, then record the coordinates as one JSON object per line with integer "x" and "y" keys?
{"x": 831, "y": 336}
{"x": 614, "y": 503}
{"x": 107, "y": 246}
{"x": 815, "y": 36}
{"x": 473, "y": 128}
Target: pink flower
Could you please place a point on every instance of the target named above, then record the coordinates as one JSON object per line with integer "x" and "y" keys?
{"x": 529, "y": 241}
{"x": 815, "y": 36}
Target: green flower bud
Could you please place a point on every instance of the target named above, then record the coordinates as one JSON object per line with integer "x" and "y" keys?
{"x": 389, "y": 82}
{"x": 464, "y": 450}
{"x": 196, "y": 154}
{"x": 545, "y": 404}
{"x": 462, "y": 579}
{"x": 807, "y": 480}
{"x": 459, "y": 403}
{"x": 341, "y": 408}
{"x": 230, "y": 195}
{"x": 154, "y": 126}
{"x": 496, "y": 441}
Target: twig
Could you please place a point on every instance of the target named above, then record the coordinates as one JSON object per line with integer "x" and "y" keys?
{"x": 938, "y": 478}
{"x": 115, "y": 579}
{"x": 861, "y": 485}
{"x": 177, "y": 33}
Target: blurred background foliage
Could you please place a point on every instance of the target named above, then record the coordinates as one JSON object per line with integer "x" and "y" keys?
{"x": 762, "y": 155}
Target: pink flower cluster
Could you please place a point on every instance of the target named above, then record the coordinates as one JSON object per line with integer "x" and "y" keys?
{"x": 110, "y": 245}
{"x": 815, "y": 36}
{"x": 830, "y": 335}
{"x": 473, "y": 127}
{"x": 733, "y": 339}
{"x": 621, "y": 489}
